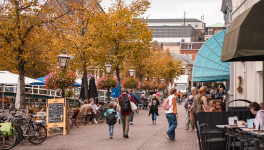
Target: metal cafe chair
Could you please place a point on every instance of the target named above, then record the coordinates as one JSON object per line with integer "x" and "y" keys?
{"x": 244, "y": 140}
{"x": 232, "y": 139}
{"x": 207, "y": 139}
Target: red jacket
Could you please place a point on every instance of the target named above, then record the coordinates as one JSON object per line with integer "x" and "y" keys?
{"x": 131, "y": 99}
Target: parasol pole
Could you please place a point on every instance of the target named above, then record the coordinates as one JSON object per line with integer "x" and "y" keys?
{"x": 3, "y": 104}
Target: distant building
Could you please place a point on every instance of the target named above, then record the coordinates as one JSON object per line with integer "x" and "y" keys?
{"x": 174, "y": 30}
{"x": 190, "y": 48}
{"x": 212, "y": 30}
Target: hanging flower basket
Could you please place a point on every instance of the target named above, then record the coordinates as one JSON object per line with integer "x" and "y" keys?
{"x": 162, "y": 86}
{"x": 130, "y": 83}
{"x": 146, "y": 85}
{"x": 154, "y": 86}
{"x": 107, "y": 81}
{"x": 59, "y": 79}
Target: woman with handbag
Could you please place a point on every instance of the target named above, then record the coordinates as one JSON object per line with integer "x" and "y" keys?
{"x": 153, "y": 108}
{"x": 200, "y": 104}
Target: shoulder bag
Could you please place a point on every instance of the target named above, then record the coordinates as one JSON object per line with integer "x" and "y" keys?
{"x": 201, "y": 104}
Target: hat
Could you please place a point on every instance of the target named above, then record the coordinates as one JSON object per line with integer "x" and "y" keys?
{"x": 193, "y": 88}
{"x": 158, "y": 94}
{"x": 191, "y": 97}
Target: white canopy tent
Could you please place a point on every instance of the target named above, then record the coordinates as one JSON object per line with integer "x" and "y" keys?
{"x": 8, "y": 78}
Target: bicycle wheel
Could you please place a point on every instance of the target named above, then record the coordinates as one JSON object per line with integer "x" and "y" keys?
{"x": 26, "y": 132}
{"x": 2, "y": 140}
{"x": 19, "y": 134}
{"x": 10, "y": 139}
{"x": 38, "y": 134}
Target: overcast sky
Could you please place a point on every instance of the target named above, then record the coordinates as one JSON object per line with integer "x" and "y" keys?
{"x": 169, "y": 9}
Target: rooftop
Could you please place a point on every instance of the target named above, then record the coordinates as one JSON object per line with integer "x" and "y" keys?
{"x": 185, "y": 59}
{"x": 172, "y": 20}
{"x": 216, "y": 25}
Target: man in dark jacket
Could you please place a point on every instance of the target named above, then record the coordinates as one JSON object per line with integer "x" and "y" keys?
{"x": 136, "y": 98}
{"x": 125, "y": 115}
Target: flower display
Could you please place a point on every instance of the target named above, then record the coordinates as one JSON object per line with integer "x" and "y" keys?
{"x": 59, "y": 79}
{"x": 162, "y": 86}
{"x": 154, "y": 85}
{"x": 107, "y": 81}
{"x": 130, "y": 83}
{"x": 146, "y": 85}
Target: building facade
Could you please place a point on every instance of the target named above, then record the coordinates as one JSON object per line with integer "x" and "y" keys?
{"x": 249, "y": 72}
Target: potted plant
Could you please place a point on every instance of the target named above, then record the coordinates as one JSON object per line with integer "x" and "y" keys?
{"x": 107, "y": 82}
{"x": 130, "y": 83}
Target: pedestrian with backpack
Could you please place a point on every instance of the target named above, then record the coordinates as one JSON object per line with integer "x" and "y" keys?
{"x": 124, "y": 102}
{"x": 170, "y": 105}
{"x": 111, "y": 116}
{"x": 153, "y": 108}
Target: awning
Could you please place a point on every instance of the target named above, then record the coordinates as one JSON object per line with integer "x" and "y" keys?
{"x": 9, "y": 78}
{"x": 244, "y": 40}
{"x": 41, "y": 82}
{"x": 207, "y": 66}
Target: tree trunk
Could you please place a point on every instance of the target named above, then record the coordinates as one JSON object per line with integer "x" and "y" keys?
{"x": 85, "y": 80}
{"x": 117, "y": 74}
{"x": 141, "y": 76}
{"x": 21, "y": 70}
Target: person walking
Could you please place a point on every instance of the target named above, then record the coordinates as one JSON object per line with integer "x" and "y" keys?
{"x": 124, "y": 102}
{"x": 171, "y": 115}
{"x": 111, "y": 118}
{"x": 153, "y": 110}
{"x": 118, "y": 112}
{"x": 179, "y": 96}
{"x": 136, "y": 98}
{"x": 200, "y": 105}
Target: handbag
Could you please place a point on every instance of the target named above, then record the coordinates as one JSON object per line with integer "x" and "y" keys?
{"x": 150, "y": 103}
{"x": 192, "y": 115}
{"x": 133, "y": 106}
{"x": 201, "y": 104}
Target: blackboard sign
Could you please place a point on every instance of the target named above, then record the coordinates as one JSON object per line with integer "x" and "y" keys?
{"x": 55, "y": 112}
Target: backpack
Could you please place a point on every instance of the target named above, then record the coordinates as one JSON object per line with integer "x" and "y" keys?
{"x": 110, "y": 118}
{"x": 125, "y": 104}
{"x": 166, "y": 104}
{"x": 154, "y": 102}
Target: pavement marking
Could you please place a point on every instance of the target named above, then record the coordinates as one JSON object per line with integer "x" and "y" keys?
{"x": 151, "y": 138}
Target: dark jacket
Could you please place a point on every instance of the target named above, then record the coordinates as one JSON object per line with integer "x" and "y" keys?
{"x": 154, "y": 109}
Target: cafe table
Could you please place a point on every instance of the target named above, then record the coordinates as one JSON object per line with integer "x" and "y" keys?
{"x": 226, "y": 125}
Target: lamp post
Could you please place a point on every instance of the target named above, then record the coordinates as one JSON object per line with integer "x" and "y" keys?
{"x": 132, "y": 72}
{"x": 108, "y": 70}
{"x": 63, "y": 63}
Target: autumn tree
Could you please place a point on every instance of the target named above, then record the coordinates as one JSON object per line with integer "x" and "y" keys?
{"x": 80, "y": 32}
{"x": 21, "y": 28}
{"x": 126, "y": 35}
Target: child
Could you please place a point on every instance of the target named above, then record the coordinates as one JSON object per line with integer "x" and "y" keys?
{"x": 111, "y": 118}
{"x": 188, "y": 121}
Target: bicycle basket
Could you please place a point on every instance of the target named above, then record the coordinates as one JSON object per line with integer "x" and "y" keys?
{"x": 6, "y": 128}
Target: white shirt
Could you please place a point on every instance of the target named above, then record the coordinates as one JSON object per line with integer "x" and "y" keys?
{"x": 170, "y": 103}
{"x": 95, "y": 108}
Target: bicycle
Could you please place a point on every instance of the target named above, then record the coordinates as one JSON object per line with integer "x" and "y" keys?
{"x": 10, "y": 137}
{"x": 37, "y": 131}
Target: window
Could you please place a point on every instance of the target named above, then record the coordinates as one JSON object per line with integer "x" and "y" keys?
{"x": 211, "y": 32}
{"x": 190, "y": 55}
{"x": 182, "y": 72}
{"x": 196, "y": 26}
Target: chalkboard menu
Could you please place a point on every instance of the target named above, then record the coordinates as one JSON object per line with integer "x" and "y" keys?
{"x": 55, "y": 112}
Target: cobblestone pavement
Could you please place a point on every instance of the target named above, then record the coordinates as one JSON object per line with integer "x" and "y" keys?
{"x": 143, "y": 135}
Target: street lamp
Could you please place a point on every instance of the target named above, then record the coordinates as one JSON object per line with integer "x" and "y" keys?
{"x": 63, "y": 59}
{"x": 132, "y": 72}
{"x": 108, "y": 70}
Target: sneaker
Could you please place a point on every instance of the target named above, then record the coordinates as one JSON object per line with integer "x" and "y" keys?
{"x": 194, "y": 130}
{"x": 131, "y": 123}
{"x": 119, "y": 121}
{"x": 95, "y": 121}
{"x": 167, "y": 136}
{"x": 186, "y": 128}
{"x": 125, "y": 136}
{"x": 154, "y": 122}
{"x": 111, "y": 136}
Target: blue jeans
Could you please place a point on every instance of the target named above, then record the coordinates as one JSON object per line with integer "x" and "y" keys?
{"x": 131, "y": 118}
{"x": 111, "y": 129}
{"x": 119, "y": 116}
{"x": 154, "y": 116}
{"x": 198, "y": 120}
{"x": 172, "y": 120}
